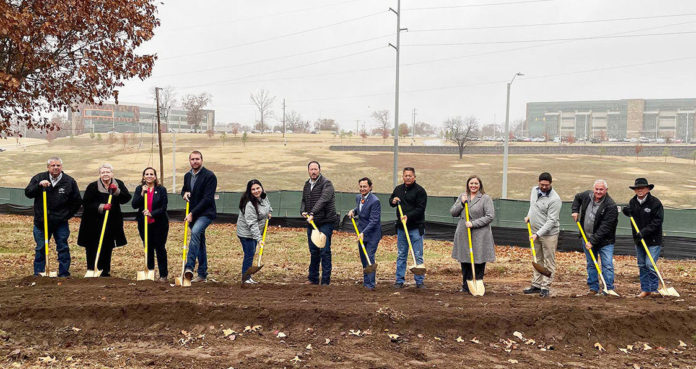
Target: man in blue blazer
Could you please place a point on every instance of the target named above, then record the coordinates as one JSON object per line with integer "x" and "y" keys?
{"x": 368, "y": 211}
{"x": 199, "y": 190}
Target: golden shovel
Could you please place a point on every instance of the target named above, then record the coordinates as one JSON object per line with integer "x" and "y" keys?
{"x": 417, "y": 269}
{"x": 184, "y": 280}
{"x": 539, "y": 268}
{"x": 664, "y": 291}
{"x": 318, "y": 238}
{"x": 46, "y": 273}
{"x": 146, "y": 274}
{"x": 255, "y": 268}
{"x": 476, "y": 287}
{"x": 96, "y": 272}
{"x": 594, "y": 260}
{"x": 370, "y": 268}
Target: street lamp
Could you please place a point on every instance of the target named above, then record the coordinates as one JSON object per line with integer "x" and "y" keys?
{"x": 507, "y": 135}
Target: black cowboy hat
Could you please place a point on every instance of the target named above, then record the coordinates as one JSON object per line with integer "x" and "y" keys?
{"x": 642, "y": 182}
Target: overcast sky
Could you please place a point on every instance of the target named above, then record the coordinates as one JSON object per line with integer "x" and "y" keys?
{"x": 331, "y": 59}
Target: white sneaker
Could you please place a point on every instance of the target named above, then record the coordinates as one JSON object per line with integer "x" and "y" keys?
{"x": 252, "y": 281}
{"x": 249, "y": 281}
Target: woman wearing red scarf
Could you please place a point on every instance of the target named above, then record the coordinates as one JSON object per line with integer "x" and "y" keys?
{"x": 157, "y": 219}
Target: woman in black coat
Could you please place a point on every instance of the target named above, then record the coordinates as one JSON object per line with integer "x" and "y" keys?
{"x": 157, "y": 219}
{"x": 95, "y": 207}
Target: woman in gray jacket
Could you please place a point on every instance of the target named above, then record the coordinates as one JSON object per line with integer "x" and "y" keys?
{"x": 254, "y": 209}
{"x": 481, "y": 214}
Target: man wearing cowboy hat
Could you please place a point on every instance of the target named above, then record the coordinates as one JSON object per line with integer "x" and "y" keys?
{"x": 648, "y": 213}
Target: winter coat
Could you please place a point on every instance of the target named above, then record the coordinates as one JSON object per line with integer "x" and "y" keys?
{"x": 481, "y": 214}
{"x": 249, "y": 223}
{"x": 414, "y": 199}
{"x": 606, "y": 220}
{"x": 93, "y": 217}
{"x": 648, "y": 217}
{"x": 320, "y": 201}
{"x": 62, "y": 201}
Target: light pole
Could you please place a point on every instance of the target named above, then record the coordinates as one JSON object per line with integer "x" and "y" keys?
{"x": 507, "y": 136}
{"x": 397, "y": 47}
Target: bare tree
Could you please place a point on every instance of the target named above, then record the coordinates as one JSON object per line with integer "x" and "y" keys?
{"x": 194, "y": 105}
{"x": 294, "y": 122}
{"x": 263, "y": 101}
{"x": 167, "y": 100}
{"x": 382, "y": 118}
{"x": 461, "y": 131}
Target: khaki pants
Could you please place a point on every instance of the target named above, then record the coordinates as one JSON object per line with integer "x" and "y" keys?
{"x": 545, "y": 247}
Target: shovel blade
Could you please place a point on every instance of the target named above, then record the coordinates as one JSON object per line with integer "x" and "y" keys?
{"x": 142, "y": 275}
{"x": 418, "y": 269}
{"x": 183, "y": 282}
{"x": 541, "y": 269}
{"x": 370, "y": 269}
{"x": 318, "y": 239}
{"x": 670, "y": 291}
{"x": 611, "y": 293}
{"x": 49, "y": 274}
{"x": 476, "y": 287}
{"x": 252, "y": 270}
{"x": 151, "y": 275}
{"x": 93, "y": 273}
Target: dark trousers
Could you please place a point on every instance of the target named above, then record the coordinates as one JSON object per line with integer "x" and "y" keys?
{"x": 466, "y": 272}
{"x": 249, "y": 249}
{"x": 104, "y": 257}
{"x": 157, "y": 233}
{"x": 320, "y": 256}
{"x": 60, "y": 233}
{"x": 371, "y": 248}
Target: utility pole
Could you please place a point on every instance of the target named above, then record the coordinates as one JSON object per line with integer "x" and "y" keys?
{"x": 413, "y": 131}
{"x": 507, "y": 136}
{"x": 396, "y": 87}
{"x": 283, "y": 119}
{"x": 159, "y": 131}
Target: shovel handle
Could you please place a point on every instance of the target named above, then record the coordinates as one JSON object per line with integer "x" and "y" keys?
{"x": 468, "y": 232}
{"x": 145, "y": 226}
{"x": 183, "y": 253}
{"x": 101, "y": 237}
{"x": 263, "y": 241}
{"x": 594, "y": 260}
{"x": 647, "y": 251}
{"x": 45, "y": 226}
{"x": 362, "y": 244}
{"x": 408, "y": 237}
{"x": 531, "y": 241}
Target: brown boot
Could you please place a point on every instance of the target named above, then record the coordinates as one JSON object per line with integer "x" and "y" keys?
{"x": 644, "y": 294}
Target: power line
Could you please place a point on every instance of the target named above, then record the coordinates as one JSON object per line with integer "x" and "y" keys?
{"x": 276, "y": 57}
{"x": 211, "y": 51}
{"x": 481, "y": 5}
{"x": 504, "y": 26}
{"x": 552, "y": 39}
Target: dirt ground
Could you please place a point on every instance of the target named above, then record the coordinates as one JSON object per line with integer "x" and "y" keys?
{"x": 118, "y": 322}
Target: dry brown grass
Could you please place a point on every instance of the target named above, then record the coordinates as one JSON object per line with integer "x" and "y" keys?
{"x": 283, "y": 167}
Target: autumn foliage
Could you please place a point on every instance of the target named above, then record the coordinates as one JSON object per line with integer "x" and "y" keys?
{"x": 56, "y": 53}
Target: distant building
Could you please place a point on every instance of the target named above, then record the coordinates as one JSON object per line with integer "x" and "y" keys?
{"x": 617, "y": 119}
{"x": 132, "y": 118}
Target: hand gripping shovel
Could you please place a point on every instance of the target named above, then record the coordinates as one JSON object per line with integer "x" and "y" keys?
{"x": 184, "y": 281}
{"x": 96, "y": 272}
{"x": 46, "y": 273}
{"x": 255, "y": 268}
{"x": 418, "y": 269}
{"x": 594, "y": 260}
{"x": 318, "y": 238}
{"x": 370, "y": 268}
{"x": 664, "y": 291}
{"x": 146, "y": 274}
{"x": 539, "y": 268}
{"x": 476, "y": 287}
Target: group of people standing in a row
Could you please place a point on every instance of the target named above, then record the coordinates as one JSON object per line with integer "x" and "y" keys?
{"x": 595, "y": 211}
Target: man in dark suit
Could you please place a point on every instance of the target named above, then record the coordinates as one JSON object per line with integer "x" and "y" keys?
{"x": 598, "y": 216}
{"x": 319, "y": 204}
{"x": 368, "y": 210}
{"x": 199, "y": 190}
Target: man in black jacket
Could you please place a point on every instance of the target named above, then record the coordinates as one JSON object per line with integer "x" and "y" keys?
{"x": 62, "y": 202}
{"x": 413, "y": 199}
{"x": 648, "y": 213}
{"x": 199, "y": 190}
{"x": 598, "y": 216}
{"x": 319, "y": 204}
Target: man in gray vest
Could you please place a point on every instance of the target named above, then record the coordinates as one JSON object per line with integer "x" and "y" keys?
{"x": 543, "y": 217}
{"x": 319, "y": 205}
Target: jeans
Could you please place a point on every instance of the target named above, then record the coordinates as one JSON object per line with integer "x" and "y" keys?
{"x": 60, "y": 233}
{"x": 371, "y": 248}
{"x": 197, "y": 247}
{"x": 403, "y": 254}
{"x": 320, "y": 256}
{"x": 606, "y": 255}
{"x": 249, "y": 248}
{"x": 648, "y": 276}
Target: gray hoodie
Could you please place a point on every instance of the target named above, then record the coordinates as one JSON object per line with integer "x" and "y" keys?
{"x": 249, "y": 224}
